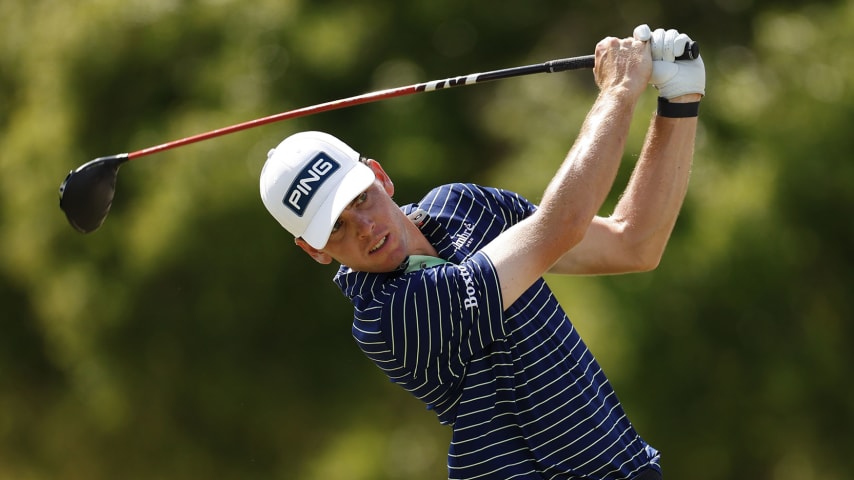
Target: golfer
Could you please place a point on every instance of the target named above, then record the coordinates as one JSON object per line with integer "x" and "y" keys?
{"x": 448, "y": 293}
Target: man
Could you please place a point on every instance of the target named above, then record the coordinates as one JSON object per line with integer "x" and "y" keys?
{"x": 448, "y": 294}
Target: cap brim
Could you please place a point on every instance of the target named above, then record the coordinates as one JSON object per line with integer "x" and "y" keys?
{"x": 356, "y": 181}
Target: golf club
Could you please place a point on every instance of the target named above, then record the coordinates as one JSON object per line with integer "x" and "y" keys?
{"x": 87, "y": 192}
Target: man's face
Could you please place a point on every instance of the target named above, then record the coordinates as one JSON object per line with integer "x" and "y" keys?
{"x": 372, "y": 234}
{"x": 369, "y": 235}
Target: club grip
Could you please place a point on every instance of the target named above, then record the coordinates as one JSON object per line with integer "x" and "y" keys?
{"x": 573, "y": 63}
{"x": 692, "y": 51}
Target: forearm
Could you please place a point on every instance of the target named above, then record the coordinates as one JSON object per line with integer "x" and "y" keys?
{"x": 583, "y": 181}
{"x": 634, "y": 237}
{"x": 585, "y": 177}
{"x": 650, "y": 205}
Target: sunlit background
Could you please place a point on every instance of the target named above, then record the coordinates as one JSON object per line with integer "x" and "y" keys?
{"x": 188, "y": 338}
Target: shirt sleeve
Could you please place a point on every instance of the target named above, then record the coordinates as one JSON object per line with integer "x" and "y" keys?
{"x": 433, "y": 321}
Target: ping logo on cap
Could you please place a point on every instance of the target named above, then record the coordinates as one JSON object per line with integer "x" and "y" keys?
{"x": 308, "y": 181}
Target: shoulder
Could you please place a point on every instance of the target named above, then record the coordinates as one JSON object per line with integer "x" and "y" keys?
{"x": 463, "y": 196}
{"x": 470, "y": 191}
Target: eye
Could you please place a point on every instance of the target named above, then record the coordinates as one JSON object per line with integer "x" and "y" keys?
{"x": 356, "y": 202}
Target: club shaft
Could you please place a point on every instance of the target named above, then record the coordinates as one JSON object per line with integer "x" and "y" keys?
{"x": 572, "y": 63}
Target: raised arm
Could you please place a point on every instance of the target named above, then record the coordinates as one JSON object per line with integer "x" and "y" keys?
{"x": 526, "y": 251}
{"x": 634, "y": 237}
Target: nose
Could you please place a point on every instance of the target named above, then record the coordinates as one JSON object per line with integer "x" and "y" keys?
{"x": 363, "y": 224}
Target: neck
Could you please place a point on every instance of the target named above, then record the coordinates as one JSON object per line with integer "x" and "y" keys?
{"x": 419, "y": 245}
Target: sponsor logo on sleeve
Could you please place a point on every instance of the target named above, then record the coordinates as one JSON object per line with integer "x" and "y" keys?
{"x": 470, "y": 302}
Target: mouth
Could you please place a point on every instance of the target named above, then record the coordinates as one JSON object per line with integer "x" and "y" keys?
{"x": 378, "y": 245}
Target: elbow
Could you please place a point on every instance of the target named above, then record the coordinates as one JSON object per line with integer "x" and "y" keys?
{"x": 646, "y": 262}
{"x": 643, "y": 251}
{"x": 639, "y": 261}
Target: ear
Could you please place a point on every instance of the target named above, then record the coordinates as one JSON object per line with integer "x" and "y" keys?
{"x": 318, "y": 255}
{"x": 383, "y": 177}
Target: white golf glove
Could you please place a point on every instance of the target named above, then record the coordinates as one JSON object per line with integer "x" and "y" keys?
{"x": 672, "y": 77}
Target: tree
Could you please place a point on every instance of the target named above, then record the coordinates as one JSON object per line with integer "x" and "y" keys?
{"x": 188, "y": 338}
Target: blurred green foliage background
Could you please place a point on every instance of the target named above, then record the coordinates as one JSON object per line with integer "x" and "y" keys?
{"x": 188, "y": 338}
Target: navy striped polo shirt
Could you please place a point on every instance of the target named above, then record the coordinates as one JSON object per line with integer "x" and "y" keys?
{"x": 523, "y": 394}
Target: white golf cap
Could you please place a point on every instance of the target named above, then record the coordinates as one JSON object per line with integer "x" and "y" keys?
{"x": 308, "y": 180}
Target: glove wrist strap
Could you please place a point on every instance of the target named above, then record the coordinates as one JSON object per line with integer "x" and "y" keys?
{"x": 677, "y": 110}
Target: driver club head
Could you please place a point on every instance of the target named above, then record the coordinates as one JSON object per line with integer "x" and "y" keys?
{"x": 87, "y": 192}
